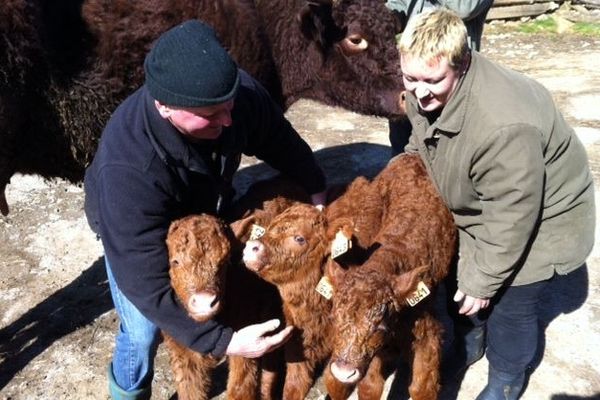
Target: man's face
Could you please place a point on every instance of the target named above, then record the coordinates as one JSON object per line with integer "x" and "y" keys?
{"x": 432, "y": 82}
{"x": 198, "y": 122}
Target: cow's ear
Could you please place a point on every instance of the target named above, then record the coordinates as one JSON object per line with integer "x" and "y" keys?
{"x": 400, "y": 20}
{"x": 405, "y": 284}
{"x": 317, "y": 24}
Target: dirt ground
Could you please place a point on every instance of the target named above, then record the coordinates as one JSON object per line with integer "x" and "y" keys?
{"x": 57, "y": 322}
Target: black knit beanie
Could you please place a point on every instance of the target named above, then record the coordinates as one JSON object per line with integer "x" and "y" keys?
{"x": 188, "y": 67}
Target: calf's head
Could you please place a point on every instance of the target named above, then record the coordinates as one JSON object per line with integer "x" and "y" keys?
{"x": 292, "y": 244}
{"x": 199, "y": 252}
{"x": 366, "y": 307}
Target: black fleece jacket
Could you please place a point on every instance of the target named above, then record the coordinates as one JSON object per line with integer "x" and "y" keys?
{"x": 145, "y": 175}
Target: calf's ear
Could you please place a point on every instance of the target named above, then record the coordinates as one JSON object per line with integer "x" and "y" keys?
{"x": 344, "y": 225}
{"x": 174, "y": 226}
{"x": 334, "y": 272}
{"x": 242, "y": 227}
{"x": 406, "y": 283}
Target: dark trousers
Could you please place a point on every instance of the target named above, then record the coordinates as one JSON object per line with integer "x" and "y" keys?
{"x": 511, "y": 323}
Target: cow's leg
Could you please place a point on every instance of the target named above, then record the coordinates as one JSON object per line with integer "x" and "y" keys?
{"x": 371, "y": 386}
{"x": 298, "y": 380}
{"x": 10, "y": 125}
{"x": 192, "y": 371}
{"x": 271, "y": 369}
{"x": 426, "y": 349}
{"x": 242, "y": 383}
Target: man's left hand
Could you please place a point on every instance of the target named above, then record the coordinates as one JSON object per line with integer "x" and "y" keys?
{"x": 470, "y": 305}
{"x": 319, "y": 199}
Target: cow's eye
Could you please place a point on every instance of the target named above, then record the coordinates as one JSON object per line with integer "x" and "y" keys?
{"x": 299, "y": 239}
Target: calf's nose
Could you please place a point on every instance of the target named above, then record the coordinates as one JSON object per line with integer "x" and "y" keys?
{"x": 203, "y": 305}
{"x": 345, "y": 373}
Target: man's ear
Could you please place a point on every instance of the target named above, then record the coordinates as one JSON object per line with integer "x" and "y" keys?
{"x": 163, "y": 110}
{"x": 464, "y": 66}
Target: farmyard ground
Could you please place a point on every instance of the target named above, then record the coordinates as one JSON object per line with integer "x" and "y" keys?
{"x": 57, "y": 322}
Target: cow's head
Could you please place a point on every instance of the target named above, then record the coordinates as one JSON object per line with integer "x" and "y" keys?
{"x": 367, "y": 305}
{"x": 199, "y": 250}
{"x": 360, "y": 66}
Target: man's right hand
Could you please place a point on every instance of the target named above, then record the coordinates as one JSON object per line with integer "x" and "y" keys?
{"x": 252, "y": 342}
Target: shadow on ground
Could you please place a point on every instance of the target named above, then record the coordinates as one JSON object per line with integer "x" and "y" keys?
{"x": 65, "y": 311}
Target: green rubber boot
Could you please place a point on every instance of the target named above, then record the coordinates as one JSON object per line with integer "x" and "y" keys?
{"x": 118, "y": 393}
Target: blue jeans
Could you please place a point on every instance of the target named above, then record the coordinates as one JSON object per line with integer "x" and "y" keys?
{"x": 512, "y": 326}
{"x": 136, "y": 342}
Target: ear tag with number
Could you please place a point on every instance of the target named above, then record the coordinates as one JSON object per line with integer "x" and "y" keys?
{"x": 418, "y": 295}
{"x": 257, "y": 232}
{"x": 324, "y": 288}
{"x": 340, "y": 244}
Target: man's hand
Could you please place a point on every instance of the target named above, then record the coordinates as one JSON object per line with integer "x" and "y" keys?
{"x": 319, "y": 199}
{"x": 470, "y": 305}
{"x": 251, "y": 342}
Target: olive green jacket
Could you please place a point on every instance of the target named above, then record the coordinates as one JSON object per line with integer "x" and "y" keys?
{"x": 514, "y": 175}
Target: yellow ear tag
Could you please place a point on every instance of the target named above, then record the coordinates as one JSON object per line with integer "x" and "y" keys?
{"x": 418, "y": 295}
{"x": 257, "y": 232}
{"x": 340, "y": 244}
{"x": 324, "y": 288}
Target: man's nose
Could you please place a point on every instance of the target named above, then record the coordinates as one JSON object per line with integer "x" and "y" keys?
{"x": 422, "y": 91}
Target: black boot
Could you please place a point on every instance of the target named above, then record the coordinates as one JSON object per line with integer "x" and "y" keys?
{"x": 472, "y": 342}
{"x": 502, "y": 385}
{"x": 468, "y": 347}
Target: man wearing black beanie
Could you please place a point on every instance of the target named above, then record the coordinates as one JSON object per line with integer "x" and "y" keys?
{"x": 170, "y": 150}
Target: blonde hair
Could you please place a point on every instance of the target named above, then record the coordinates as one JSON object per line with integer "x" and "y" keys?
{"x": 434, "y": 34}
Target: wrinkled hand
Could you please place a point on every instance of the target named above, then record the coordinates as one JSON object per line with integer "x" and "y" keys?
{"x": 470, "y": 305}
{"x": 251, "y": 342}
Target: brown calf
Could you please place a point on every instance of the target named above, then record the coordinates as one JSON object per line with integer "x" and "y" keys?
{"x": 402, "y": 233}
{"x": 291, "y": 255}
{"x": 210, "y": 286}
{"x": 413, "y": 241}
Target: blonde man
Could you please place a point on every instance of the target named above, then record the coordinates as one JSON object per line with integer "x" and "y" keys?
{"x": 516, "y": 179}
{"x": 473, "y": 14}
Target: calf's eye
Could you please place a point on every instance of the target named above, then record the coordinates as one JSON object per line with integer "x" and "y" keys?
{"x": 299, "y": 239}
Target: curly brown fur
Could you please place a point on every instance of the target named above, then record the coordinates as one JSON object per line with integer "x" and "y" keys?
{"x": 415, "y": 242}
{"x": 291, "y": 255}
{"x": 200, "y": 247}
{"x": 70, "y": 63}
